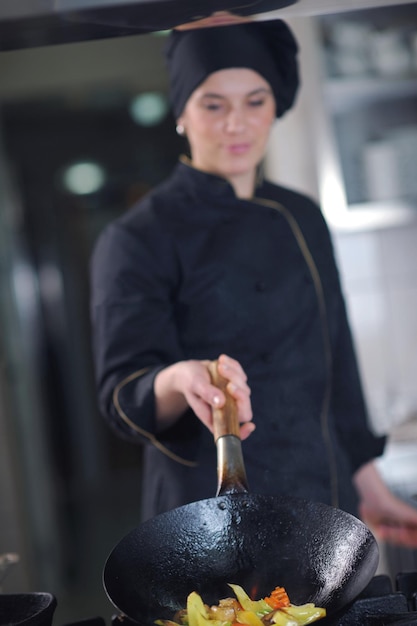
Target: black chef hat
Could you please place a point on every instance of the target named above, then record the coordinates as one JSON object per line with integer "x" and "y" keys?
{"x": 267, "y": 47}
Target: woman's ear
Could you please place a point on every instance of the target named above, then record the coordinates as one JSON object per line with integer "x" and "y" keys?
{"x": 180, "y": 127}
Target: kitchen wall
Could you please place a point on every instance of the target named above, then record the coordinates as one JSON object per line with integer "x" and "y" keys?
{"x": 380, "y": 276}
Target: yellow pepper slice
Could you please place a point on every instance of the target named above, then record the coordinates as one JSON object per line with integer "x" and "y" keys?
{"x": 248, "y": 617}
{"x": 260, "y": 607}
{"x": 197, "y": 612}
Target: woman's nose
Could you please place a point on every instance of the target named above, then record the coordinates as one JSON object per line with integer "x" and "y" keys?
{"x": 235, "y": 121}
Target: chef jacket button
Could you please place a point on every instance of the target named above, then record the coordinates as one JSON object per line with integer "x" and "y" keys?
{"x": 274, "y": 214}
{"x": 260, "y": 285}
{"x": 267, "y": 357}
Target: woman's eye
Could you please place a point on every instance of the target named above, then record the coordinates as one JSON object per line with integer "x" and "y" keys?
{"x": 256, "y": 103}
{"x": 212, "y": 106}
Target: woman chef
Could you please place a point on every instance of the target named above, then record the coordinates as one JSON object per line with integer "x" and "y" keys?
{"x": 218, "y": 261}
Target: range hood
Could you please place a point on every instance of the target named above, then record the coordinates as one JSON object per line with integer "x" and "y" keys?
{"x": 32, "y": 23}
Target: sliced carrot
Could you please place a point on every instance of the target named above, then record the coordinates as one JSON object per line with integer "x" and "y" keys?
{"x": 278, "y": 598}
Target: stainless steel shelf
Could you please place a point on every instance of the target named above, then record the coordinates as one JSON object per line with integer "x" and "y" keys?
{"x": 351, "y": 113}
{"x": 343, "y": 94}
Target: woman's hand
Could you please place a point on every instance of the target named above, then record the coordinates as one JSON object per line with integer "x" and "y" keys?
{"x": 390, "y": 518}
{"x": 188, "y": 384}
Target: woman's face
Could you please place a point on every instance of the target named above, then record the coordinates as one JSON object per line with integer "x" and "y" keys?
{"x": 227, "y": 120}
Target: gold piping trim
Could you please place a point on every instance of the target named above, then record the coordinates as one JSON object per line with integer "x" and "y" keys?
{"x": 137, "y": 428}
{"x": 324, "y": 416}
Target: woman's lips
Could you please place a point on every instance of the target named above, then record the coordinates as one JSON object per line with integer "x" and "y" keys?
{"x": 238, "y": 148}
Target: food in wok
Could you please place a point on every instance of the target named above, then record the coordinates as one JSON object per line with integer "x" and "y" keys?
{"x": 275, "y": 609}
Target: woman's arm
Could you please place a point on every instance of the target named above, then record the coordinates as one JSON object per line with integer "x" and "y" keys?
{"x": 389, "y": 517}
{"x": 187, "y": 384}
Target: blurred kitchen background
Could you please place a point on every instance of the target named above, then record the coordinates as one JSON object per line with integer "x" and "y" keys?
{"x": 85, "y": 130}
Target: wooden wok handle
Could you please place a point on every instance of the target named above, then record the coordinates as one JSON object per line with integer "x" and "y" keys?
{"x": 225, "y": 419}
{"x": 231, "y": 473}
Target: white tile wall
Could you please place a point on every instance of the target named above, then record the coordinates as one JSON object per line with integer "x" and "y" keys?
{"x": 359, "y": 258}
{"x": 379, "y": 274}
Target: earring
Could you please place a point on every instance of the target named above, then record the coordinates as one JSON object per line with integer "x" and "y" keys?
{"x": 180, "y": 129}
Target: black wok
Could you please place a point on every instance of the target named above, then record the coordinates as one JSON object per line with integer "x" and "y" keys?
{"x": 27, "y": 609}
{"x": 318, "y": 553}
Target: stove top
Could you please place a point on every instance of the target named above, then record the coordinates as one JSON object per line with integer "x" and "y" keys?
{"x": 380, "y": 604}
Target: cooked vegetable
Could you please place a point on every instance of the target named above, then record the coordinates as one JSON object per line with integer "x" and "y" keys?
{"x": 275, "y": 609}
{"x": 260, "y": 607}
{"x": 278, "y": 598}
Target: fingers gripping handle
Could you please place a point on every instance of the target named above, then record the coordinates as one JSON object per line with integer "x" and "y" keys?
{"x": 225, "y": 418}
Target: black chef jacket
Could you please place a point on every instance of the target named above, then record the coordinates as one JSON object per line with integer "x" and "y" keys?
{"x": 191, "y": 272}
